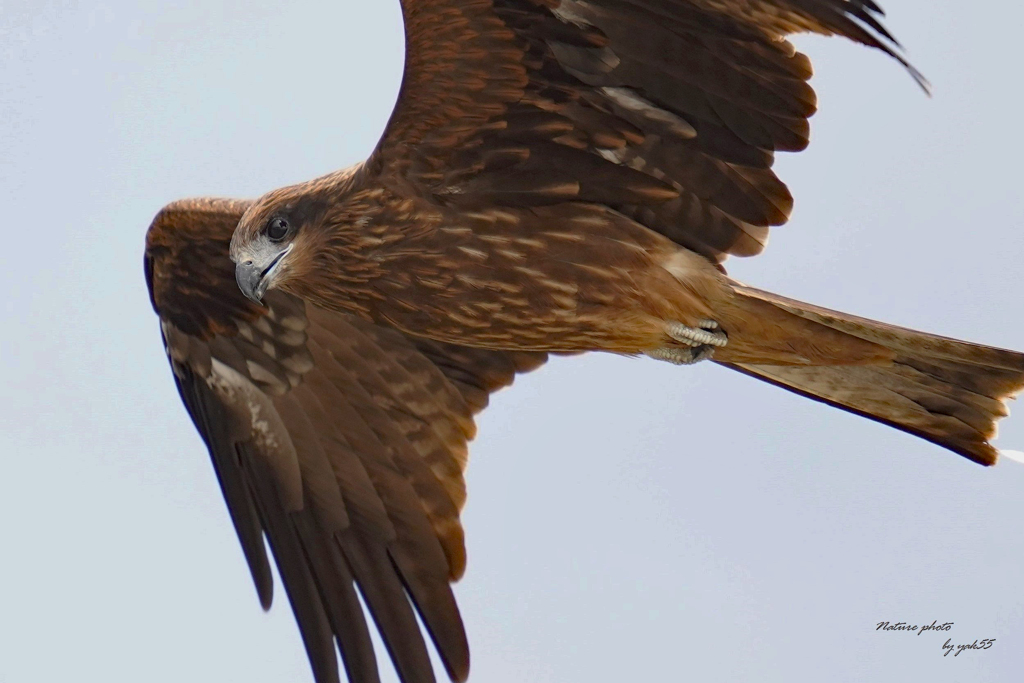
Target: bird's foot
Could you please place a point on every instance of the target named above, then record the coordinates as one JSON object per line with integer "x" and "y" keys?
{"x": 707, "y": 333}
{"x": 699, "y": 343}
{"x": 677, "y": 356}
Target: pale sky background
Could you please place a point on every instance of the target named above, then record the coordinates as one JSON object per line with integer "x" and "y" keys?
{"x": 627, "y": 520}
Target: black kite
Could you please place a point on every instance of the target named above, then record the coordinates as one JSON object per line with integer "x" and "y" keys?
{"x": 558, "y": 176}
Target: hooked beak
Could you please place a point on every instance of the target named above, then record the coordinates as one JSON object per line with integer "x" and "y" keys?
{"x": 256, "y": 275}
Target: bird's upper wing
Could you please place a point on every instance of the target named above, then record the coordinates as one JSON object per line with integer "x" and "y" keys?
{"x": 669, "y": 111}
{"x": 341, "y": 442}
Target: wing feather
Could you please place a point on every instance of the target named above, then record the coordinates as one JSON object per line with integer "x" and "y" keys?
{"x": 670, "y": 111}
{"x": 211, "y": 421}
{"x": 339, "y": 441}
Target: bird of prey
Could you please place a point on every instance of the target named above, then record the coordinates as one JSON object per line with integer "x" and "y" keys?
{"x": 559, "y": 176}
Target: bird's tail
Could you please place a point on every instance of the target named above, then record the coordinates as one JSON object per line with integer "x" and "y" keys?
{"x": 946, "y": 391}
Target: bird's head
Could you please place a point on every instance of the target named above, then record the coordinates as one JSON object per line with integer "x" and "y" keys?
{"x": 273, "y": 239}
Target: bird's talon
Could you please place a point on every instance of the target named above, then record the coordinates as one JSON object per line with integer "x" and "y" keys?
{"x": 706, "y": 334}
{"x": 678, "y": 356}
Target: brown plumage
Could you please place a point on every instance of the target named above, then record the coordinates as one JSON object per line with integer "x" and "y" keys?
{"x": 559, "y": 176}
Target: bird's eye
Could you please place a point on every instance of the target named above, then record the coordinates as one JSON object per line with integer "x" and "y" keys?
{"x": 277, "y": 229}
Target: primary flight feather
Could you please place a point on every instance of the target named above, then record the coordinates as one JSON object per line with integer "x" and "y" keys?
{"x": 558, "y": 176}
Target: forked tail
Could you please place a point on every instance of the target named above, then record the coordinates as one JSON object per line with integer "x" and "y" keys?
{"x": 946, "y": 391}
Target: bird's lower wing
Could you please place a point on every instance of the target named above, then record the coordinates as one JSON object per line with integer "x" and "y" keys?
{"x": 343, "y": 443}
